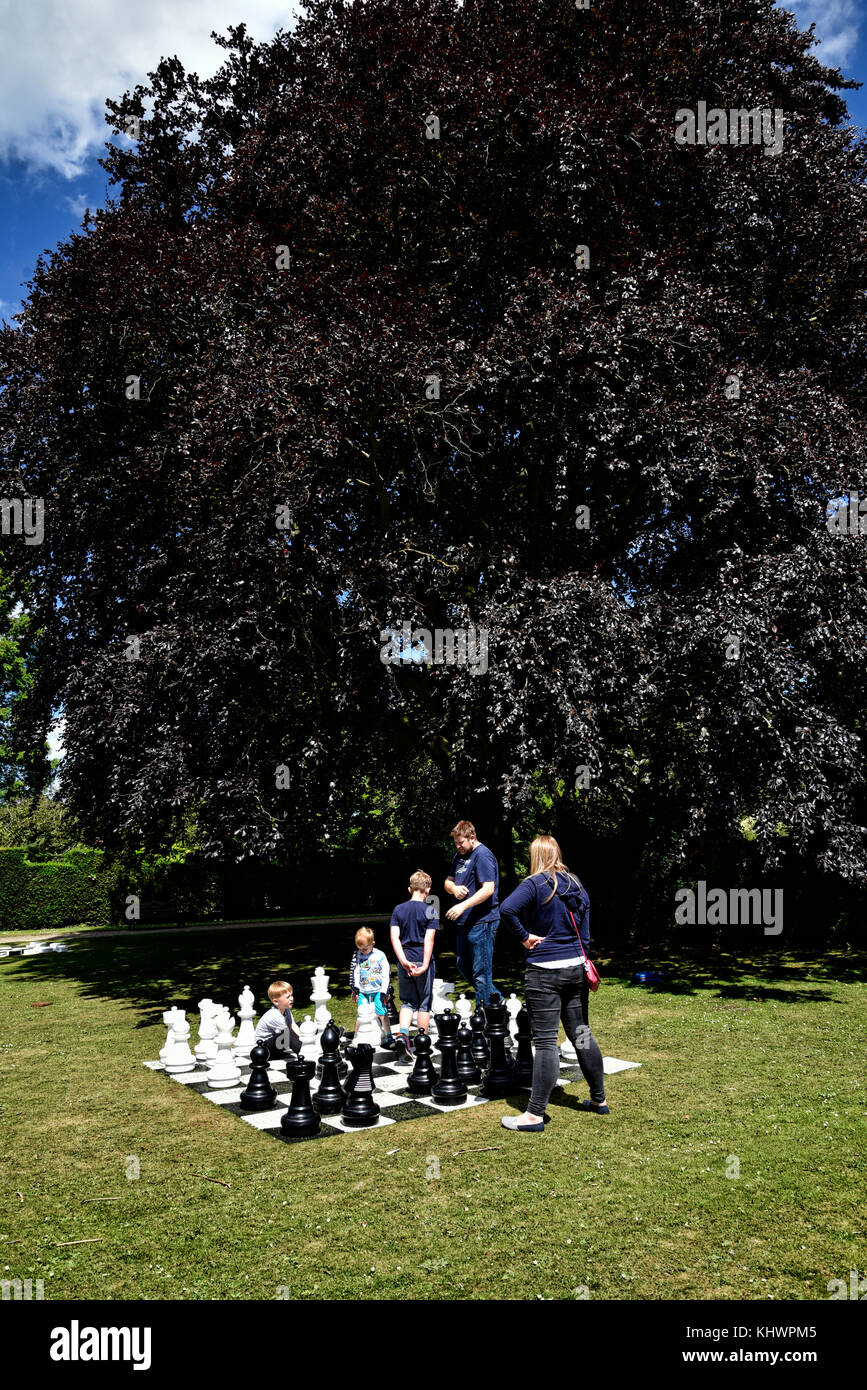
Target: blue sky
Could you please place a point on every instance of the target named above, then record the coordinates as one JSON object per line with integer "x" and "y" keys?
{"x": 60, "y": 59}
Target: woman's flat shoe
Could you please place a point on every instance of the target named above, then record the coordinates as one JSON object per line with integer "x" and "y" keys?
{"x": 511, "y": 1122}
{"x": 597, "y": 1109}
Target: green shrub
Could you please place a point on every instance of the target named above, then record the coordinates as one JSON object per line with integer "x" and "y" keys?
{"x": 43, "y": 895}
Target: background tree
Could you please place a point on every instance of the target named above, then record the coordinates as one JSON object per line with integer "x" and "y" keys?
{"x": 698, "y": 388}
{"x": 17, "y": 767}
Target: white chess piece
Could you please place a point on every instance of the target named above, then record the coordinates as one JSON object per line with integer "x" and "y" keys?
{"x": 514, "y": 1007}
{"x": 170, "y": 1017}
{"x": 567, "y": 1051}
{"x": 246, "y": 1039}
{"x": 310, "y": 1048}
{"x": 463, "y": 1008}
{"x": 368, "y": 1028}
{"x": 224, "y": 1071}
{"x": 319, "y": 996}
{"x": 179, "y": 1057}
{"x": 206, "y": 1048}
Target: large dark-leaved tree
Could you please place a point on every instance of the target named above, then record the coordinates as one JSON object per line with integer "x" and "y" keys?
{"x": 686, "y": 652}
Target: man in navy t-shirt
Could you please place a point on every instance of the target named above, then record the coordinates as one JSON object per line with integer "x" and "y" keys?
{"x": 474, "y": 880}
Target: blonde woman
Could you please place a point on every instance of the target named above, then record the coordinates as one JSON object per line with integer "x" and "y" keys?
{"x": 550, "y": 913}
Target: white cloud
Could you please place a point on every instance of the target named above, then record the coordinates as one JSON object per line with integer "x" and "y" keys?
{"x": 77, "y": 205}
{"x": 60, "y": 59}
{"x": 836, "y": 24}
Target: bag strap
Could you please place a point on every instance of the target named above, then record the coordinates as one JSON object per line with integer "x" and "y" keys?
{"x": 578, "y": 936}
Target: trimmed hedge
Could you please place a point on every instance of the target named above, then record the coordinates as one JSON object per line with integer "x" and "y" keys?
{"x": 79, "y": 887}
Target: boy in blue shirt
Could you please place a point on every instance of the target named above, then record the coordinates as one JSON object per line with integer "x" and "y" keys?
{"x": 414, "y": 926}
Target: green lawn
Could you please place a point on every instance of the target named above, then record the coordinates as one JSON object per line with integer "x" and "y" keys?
{"x": 756, "y": 1063}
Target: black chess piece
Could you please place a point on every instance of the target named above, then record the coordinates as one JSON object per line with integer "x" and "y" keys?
{"x": 450, "y": 1089}
{"x": 522, "y": 1071}
{"x": 498, "y": 1080}
{"x": 329, "y": 1098}
{"x": 424, "y": 1075}
{"x": 342, "y": 1064}
{"x": 359, "y": 1107}
{"x": 301, "y": 1120}
{"x": 481, "y": 1051}
{"x": 329, "y": 1041}
{"x": 388, "y": 1000}
{"x": 468, "y": 1068}
{"x": 259, "y": 1093}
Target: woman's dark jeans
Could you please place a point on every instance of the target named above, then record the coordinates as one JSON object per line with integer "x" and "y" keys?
{"x": 552, "y": 995}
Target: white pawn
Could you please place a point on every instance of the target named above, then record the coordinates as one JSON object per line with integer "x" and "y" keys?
{"x": 246, "y": 1039}
{"x": 464, "y": 1008}
{"x": 368, "y": 1028}
{"x": 170, "y": 1018}
{"x": 310, "y": 1048}
{"x": 514, "y": 1006}
{"x": 206, "y": 1048}
{"x": 319, "y": 996}
{"x": 179, "y": 1056}
{"x": 224, "y": 1071}
{"x": 567, "y": 1051}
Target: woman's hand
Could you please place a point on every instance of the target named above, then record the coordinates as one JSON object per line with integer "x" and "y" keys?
{"x": 532, "y": 941}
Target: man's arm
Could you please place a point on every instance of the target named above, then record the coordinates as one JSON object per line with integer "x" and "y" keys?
{"x": 480, "y": 896}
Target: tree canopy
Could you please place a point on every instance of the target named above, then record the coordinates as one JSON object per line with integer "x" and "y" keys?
{"x": 623, "y": 480}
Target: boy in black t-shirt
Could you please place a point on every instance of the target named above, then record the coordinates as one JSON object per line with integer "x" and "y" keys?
{"x": 413, "y": 929}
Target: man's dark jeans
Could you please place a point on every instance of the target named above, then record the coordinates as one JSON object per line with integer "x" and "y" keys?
{"x": 552, "y": 995}
{"x": 475, "y": 956}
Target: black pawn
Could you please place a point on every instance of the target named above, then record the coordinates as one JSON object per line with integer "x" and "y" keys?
{"x": 301, "y": 1120}
{"x": 329, "y": 1098}
{"x": 498, "y": 1080}
{"x": 450, "y": 1089}
{"x": 467, "y": 1067}
{"x": 424, "y": 1075}
{"x": 359, "y": 1107}
{"x": 393, "y": 1015}
{"x": 259, "y": 1093}
{"x": 522, "y": 1071}
{"x": 481, "y": 1051}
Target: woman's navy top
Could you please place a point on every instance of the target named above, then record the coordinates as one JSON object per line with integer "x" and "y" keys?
{"x": 527, "y": 913}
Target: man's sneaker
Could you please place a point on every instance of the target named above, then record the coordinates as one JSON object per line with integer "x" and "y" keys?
{"x": 404, "y": 1048}
{"x": 387, "y": 1040}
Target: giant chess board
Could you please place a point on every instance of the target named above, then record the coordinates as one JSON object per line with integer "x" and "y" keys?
{"x": 391, "y": 1094}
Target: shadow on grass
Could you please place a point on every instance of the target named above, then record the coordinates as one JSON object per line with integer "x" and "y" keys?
{"x": 152, "y": 974}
